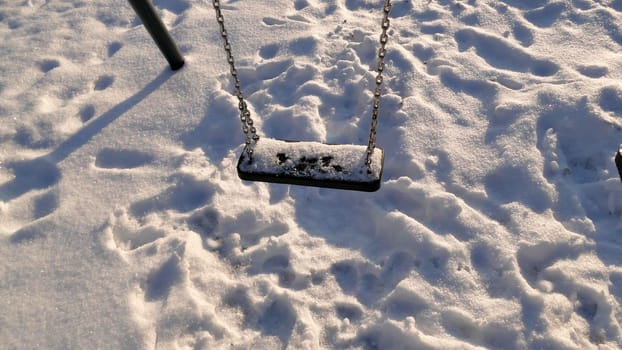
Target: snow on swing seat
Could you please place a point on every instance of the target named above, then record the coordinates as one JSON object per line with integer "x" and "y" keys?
{"x": 312, "y": 164}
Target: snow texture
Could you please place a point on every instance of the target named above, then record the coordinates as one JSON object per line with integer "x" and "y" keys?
{"x": 124, "y": 225}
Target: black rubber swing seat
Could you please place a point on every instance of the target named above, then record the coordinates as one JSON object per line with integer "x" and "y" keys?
{"x": 618, "y": 161}
{"x": 312, "y": 164}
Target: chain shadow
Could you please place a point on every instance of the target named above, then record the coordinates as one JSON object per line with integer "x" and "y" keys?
{"x": 43, "y": 172}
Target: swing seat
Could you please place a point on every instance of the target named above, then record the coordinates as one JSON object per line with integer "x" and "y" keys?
{"x": 312, "y": 164}
{"x": 618, "y": 161}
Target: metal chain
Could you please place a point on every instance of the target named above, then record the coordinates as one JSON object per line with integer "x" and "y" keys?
{"x": 250, "y": 132}
{"x": 382, "y": 52}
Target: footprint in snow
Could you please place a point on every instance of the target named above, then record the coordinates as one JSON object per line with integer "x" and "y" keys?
{"x": 525, "y": 4}
{"x": 113, "y": 48}
{"x": 305, "y": 46}
{"x": 45, "y": 204}
{"x": 87, "y": 112}
{"x": 360, "y": 280}
{"x": 547, "y": 15}
{"x": 109, "y": 158}
{"x": 593, "y": 71}
{"x": 128, "y": 235}
{"x": 40, "y": 206}
{"x": 48, "y": 64}
{"x": 533, "y": 259}
{"x": 300, "y": 4}
{"x": 523, "y": 34}
{"x": 402, "y": 303}
{"x": 610, "y": 99}
{"x": 502, "y": 54}
{"x": 185, "y": 194}
{"x": 351, "y": 311}
{"x": 162, "y": 279}
{"x": 353, "y": 5}
{"x": 29, "y": 175}
{"x": 269, "y": 51}
{"x": 128, "y": 228}
{"x": 177, "y": 7}
{"x": 276, "y": 260}
{"x": 271, "y": 21}
{"x": 27, "y": 234}
{"x": 103, "y": 82}
{"x": 274, "y": 316}
{"x": 278, "y": 319}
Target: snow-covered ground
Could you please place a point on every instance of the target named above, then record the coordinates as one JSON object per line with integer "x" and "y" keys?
{"x": 124, "y": 225}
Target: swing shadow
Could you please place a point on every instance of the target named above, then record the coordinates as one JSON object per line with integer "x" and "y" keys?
{"x": 43, "y": 172}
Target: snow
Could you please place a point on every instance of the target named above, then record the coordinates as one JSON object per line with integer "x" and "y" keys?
{"x": 124, "y": 225}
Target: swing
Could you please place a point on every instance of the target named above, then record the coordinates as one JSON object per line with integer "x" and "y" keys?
{"x": 306, "y": 163}
{"x": 618, "y": 161}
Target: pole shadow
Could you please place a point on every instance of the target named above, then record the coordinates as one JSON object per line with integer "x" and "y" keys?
{"x": 43, "y": 172}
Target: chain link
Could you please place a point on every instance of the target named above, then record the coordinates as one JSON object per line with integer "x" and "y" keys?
{"x": 382, "y": 52}
{"x": 250, "y": 132}
{"x": 248, "y": 127}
